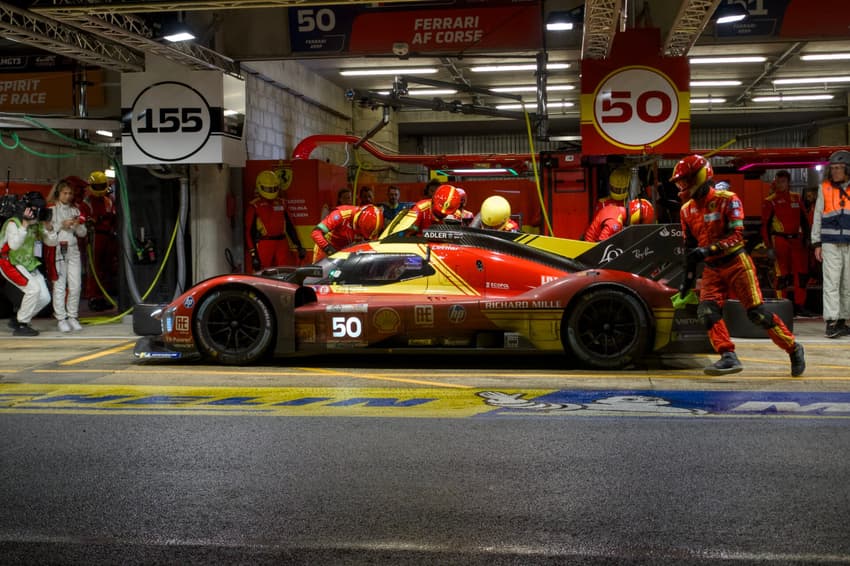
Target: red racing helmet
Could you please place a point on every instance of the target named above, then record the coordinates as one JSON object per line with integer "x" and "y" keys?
{"x": 446, "y": 201}
{"x": 368, "y": 221}
{"x": 641, "y": 212}
{"x": 692, "y": 172}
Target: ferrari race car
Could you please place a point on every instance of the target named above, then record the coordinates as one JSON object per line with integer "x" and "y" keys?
{"x": 455, "y": 289}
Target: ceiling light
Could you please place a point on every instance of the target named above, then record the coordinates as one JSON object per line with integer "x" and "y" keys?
{"x": 534, "y": 104}
{"x": 178, "y": 36}
{"x": 725, "y": 60}
{"x": 109, "y": 172}
{"x": 791, "y": 98}
{"x": 532, "y": 88}
{"x": 710, "y": 100}
{"x": 565, "y": 138}
{"x": 560, "y": 21}
{"x": 396, "y": 71}
{"x": 517, "y": 67}
{"x": 231, "y": 112}
{"x": 715, "y": 83}
{"x": 812, "y": 80}
{"x": 424, "y": 92}
{"x": 731, "y": 13}
{"x": 825, "y": 56}
{"x": 782, "y": 164}
{"x": 104, "y": 133}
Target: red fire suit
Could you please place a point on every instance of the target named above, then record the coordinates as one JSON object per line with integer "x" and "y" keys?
{"x": 417, "y": 218}
{"x": 716, "y": 222}
{"x": 784, "y": 226}
{"x": 607, "y": 222}
{"x": 336, "y": 229}
{"x": 267, "y": 225}
{"x": 102, "y": 246}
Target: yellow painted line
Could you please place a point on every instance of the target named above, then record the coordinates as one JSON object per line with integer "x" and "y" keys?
{"x": 96, "y": 355}
{"x": 395, "y": 379}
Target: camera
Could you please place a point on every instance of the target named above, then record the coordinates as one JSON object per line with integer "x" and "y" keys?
{"x": 34, "y": 201}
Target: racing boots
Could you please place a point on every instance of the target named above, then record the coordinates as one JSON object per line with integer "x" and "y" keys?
{"x": 798, "y": 360}
{"x": 835, "y": 328}
{"x": 728, "y": 363}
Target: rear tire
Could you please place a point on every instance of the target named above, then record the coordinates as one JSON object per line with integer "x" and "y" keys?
{"x": 234, "y": 326}
{"x": 606, "y": 329}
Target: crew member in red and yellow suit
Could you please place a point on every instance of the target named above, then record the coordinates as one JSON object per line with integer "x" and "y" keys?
{"x": 495, "y": 215}
{"x": 618, "y": 188}
{"x": 267, "y": 225}
{"x": 784, "y": 226}
{"x": 462, "y": 214}
{"x": 98, "y": 208}
{"x": 443, "y": 204}
{"x": 608, "y": 221}
{"x": 713, "y": 227}
{"x": 343, "y": 226}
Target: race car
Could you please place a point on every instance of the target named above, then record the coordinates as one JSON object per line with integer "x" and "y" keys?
{"x": 454, "y": 289}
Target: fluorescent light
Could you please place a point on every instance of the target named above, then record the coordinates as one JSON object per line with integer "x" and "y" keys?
{"x": 715, "y": 83}
{"x": 104, "y": 133}
{"x": 731, "y": 19}
{"x": 532, "y": 88}
{"x": 110, "y": 173}
{"x": 181, "y": 36}
{"x": 517, "y": 67}
{"x": 731, "y": 13}
{"x": 565, "y": 138}
{"x": 533, "y": 104}
{"x": 478, "y": 171}
{"x": 396, "y": 71}
{"x": 724, "y": 60}
{"x": 812, "y": 80}
{"x": 825, "y": 56}
{"x": 560, "y": 26}
{"x": 231, "y": 112}
{"x": 789, "y": 98}
{"x": 710, "y": 100}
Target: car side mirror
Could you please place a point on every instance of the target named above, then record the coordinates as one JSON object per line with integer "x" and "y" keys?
{"x": 302, "y": 273}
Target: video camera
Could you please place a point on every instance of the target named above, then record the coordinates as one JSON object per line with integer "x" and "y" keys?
{"x": 37, "y": 206}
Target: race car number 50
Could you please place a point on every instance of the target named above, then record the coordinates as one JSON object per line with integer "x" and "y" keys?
{"x": 636, "y": 106}
{"x": 344, "y": 327}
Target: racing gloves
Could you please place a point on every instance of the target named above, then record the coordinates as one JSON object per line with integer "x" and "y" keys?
{"x": 329, "y": 250}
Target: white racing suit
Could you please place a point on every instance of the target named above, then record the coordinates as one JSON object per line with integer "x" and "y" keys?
{"x": 68, "y": 262}
{"x": 25, "y": 276}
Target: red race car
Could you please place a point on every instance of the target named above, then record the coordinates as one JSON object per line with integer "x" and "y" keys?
{"x": 455, "y": 289}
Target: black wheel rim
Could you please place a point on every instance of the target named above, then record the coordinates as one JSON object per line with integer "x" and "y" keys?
{"x": 234, "y": 324}
{"x": 607, "y": 327}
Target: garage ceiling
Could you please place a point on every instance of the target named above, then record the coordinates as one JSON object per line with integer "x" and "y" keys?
{"x": 116, "y": 34}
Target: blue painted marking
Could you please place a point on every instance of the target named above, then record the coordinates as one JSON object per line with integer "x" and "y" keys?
{"x": 302, "y": 401}
{"x": 656, "y": 402}
{"x": 380, "y": 402}
{"x": 235, "y": 401}
{"x": 165, "y": 400}
{"x": 83, "y": 398}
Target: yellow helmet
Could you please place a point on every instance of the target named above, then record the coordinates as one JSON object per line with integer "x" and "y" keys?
{"x": 98, "y": 183}
{"x": 268, "y": 184}
{"x": 495, "y": 211}
{"x": 618, "y": 183}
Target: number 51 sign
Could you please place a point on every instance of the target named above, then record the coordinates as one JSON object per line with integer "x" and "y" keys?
{"x": 628, "y": 109}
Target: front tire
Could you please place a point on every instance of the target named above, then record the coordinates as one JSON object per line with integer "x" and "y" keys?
{"x": 234, "y": 326}
{"x": 606, "y": 329}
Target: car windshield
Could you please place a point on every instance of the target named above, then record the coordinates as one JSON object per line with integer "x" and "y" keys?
{"x": 371, "y": 269}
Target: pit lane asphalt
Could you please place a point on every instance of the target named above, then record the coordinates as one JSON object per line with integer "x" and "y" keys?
{"x": 97, "y": 483}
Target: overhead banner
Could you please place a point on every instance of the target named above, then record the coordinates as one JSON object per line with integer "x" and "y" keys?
{"x": 47, "y": 91}
{"x": 182, "y": 117}
{"x": 428, "y": 27}
{"x": 636, "y": 101}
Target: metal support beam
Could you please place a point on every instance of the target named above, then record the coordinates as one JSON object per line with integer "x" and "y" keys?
{"x": 601, "y": 23}
{"x": 46, "y": 34}
{"x": 56, "y": 8}
{"x": 769, "y": 71}
{"x": 690, "y": 21}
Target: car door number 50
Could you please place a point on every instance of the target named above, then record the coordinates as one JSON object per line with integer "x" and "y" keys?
{"x": 344, "y": 327}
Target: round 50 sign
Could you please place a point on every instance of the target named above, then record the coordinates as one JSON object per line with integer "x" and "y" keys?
{"x": 634, "y": 107}
{"x": 170, "y": 121}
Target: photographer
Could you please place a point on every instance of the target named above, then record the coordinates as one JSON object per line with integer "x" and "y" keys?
{"x": 21, "y": 240}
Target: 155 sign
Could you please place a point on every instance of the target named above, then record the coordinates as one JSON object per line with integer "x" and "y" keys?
{"x": 170, "y": 121}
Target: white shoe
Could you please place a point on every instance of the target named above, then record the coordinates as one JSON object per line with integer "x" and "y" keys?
{"x": 75, "y": 324}
{"x": 64, "y": 325}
